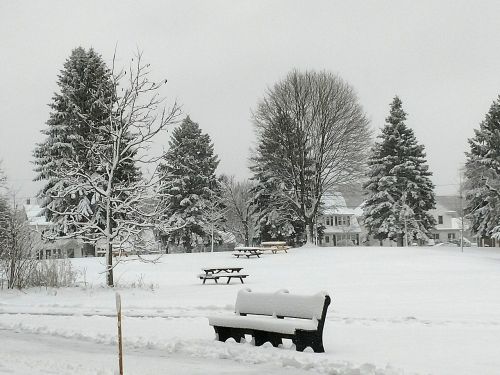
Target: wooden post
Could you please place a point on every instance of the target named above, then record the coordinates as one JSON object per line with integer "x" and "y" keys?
{"x": 119, "y": 316}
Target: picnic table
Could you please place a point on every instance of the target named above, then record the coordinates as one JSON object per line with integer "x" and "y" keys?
{"x": 215, "y": 273}
{"x": 247, "y": 251}
{"x": 274, "y": 246}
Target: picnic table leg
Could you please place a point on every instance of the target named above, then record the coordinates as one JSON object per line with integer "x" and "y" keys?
{"x": 204, "y": 279}
{"x": 216, "y": 281}
{"x": 228, "y": 279}
{"x": 241, "y": 279}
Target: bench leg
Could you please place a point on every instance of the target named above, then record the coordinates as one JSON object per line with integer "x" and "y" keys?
{"x": 224, "y": 333}
{"x": 303, "y": 339}
{"x": 260, "y": 338}
{"x": 275, "y": 340}
{"x": 241, "y": 279}
{"x": 228, "y": 279}
{"x": 204, "y": 281}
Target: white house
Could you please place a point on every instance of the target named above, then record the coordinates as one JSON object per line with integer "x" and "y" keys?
{"x": 448, "y": 220}
{"x": 60, "y": 248}
{"x": 340, "y": 221}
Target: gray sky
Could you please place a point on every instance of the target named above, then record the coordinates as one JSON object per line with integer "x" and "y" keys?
{"x": 441, "y": 58}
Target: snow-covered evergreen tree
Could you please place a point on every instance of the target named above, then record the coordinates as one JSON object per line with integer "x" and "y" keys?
{"x": 482, "y": 172}
{"x": 101, "y": 127}
{"x": 189, "y": 167}
{"x": 276, "y": 218}
{"x": 79, "y": 112}
{"x": 400, "y": 192}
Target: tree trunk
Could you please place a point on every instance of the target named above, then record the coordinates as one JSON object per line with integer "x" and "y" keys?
{"x": 109, "y": 253}
{"x": 247, "y": 234}
{"x": 309, "y": 231}
{"x": 400, "y": 240}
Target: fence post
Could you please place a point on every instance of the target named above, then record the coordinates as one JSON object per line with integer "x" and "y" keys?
{"x": 119, "y": 316}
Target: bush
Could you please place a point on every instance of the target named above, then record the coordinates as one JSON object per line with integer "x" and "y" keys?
{"x": 53, "y": 273}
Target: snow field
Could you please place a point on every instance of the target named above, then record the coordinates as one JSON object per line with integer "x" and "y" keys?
{"x": 394, "y": 311}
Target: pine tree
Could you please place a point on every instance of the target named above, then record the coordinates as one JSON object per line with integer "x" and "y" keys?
{"x": 400, "y": 192}
{"x": 482, "y": 172}
{"x": 276, "y": 218}
{"x": 79, "y": 112}
{"x": 189, "y": 167}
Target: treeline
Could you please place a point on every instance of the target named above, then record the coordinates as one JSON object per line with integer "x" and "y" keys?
{"x": 102, "y": 181}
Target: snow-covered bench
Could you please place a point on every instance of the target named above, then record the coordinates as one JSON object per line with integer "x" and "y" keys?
{"x": 275, "y": 246}
{"x": 262, "y": 315}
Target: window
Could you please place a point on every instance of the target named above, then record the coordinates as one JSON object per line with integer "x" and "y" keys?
{"x": 440, "y": 219}
{"x": 451, "y": 236}
{"x": 436, "y": 236}
{"x": 342, "y": 220}
{"x": 327, "y": 239}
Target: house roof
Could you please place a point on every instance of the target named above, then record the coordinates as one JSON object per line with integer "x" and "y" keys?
{"x": 449, "y": 202}
{"x": 342, "y": 203}
{"x": 34, "y": 214}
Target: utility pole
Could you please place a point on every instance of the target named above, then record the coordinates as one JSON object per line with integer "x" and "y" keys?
{"x": 405, "y": 214}
{"x": 461, "y": 215}
{"x": 406, "y": 232}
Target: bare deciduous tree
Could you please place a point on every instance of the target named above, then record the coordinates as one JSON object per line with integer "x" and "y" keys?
{"x": 112, "y": 210}
{"x": 240, "y": 219}
{"x": 312, "y": 136}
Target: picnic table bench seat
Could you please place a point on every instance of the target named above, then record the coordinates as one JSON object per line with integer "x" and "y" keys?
{"x": 248, "y": 254}
{"x": 270, "y": 317}
{"x": 217, "y": 276}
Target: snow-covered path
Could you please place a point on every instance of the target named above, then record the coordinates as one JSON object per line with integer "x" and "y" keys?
{"x": 27, "y": 353}
{"x": 394, "y": 311}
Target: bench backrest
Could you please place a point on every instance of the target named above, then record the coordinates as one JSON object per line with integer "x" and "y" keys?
{"x": 282, "y": 304}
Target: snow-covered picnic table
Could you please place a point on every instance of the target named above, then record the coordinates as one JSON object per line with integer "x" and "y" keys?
{"x": 274, "y": 246}
{"x": 247, "y": 251}
{"x": 215, "y": 273}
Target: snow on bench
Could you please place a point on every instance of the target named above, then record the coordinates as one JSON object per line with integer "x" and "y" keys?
{"x": 262, "y": 315}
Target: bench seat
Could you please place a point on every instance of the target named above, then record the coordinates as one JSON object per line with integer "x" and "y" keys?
{"x": 248, "y": 254}
{"x": 217, "y": 276}
{"x": 264, "y": 323}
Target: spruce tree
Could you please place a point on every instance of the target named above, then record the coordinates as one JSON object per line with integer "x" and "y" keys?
{"x": 482, "y": 172}
{"x": 79, "y": 114}
{"x": 400, "y": 192}
{"x": 189, "y": 169}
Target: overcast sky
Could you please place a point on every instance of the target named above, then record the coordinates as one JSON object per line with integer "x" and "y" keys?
{"x": 441, "y": 58}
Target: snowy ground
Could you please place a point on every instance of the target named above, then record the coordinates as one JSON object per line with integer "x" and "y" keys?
{"x": 394, "y": 311}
